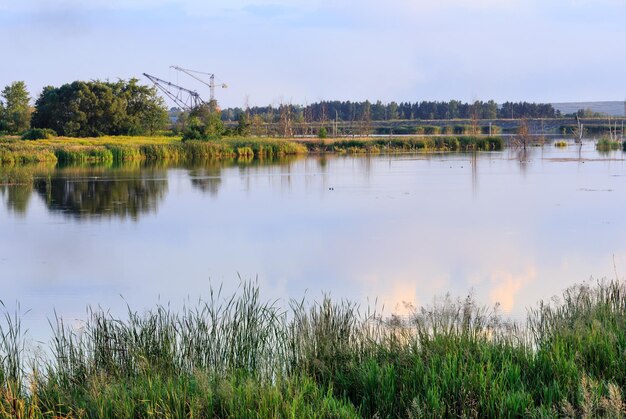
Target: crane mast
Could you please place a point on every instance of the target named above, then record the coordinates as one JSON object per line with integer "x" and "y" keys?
{"x": 211, "y": 83}
{"x": 185, "y": 98}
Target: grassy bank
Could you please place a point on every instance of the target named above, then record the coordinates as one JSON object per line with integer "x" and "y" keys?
{"x": 172, "y": 149}
{"x": 411, "y": 144}
{"x": 154, "y": 149}
{"x": 241, "y": 357}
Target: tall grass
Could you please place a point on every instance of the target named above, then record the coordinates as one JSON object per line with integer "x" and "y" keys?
{"x": 377, "y": 145}
{"x": 153, "y": 149}
{"x": 606, "y": 144}
{"x": 171, "y": 150}
{"x": 239, "y": 356}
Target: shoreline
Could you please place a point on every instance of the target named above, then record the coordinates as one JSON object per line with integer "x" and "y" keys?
{"x": 172, "y": 149}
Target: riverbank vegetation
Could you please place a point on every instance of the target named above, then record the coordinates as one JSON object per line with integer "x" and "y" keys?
{"x": 173, "y": 150}
{"x": 237, "y": 356}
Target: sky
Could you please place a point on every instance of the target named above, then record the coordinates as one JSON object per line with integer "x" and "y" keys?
{"x": 288, "y": 51}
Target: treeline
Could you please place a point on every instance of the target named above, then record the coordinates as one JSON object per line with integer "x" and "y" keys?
{"x": 425, "y": 110}
{"x": 83, "y": 109}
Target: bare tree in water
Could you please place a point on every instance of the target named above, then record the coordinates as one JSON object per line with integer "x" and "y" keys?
{"x": 523, "y": 137}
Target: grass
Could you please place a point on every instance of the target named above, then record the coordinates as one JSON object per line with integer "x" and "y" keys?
{"x": 155, "y": 149}
{"x": 415, "y": 144}
{"x": 560, "y": 143}
{"x": 173, "y": 150}
{"x": 606, "y": 144}
{"x": 238, "y": 356}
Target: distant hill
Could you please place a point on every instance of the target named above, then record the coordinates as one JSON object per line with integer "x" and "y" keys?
{"x": 612, "y": 108}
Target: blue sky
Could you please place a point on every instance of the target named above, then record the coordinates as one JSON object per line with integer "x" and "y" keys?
{"x": 282, "y": 51}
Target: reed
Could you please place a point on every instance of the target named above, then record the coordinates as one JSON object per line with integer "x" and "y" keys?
{"x": 606, "y": 144}
{"x": 414, "y": 144}
{"x": 237, "y": 355}
{"x": 153, "y": 149}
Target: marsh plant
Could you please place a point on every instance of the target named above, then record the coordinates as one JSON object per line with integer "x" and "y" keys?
{"x": 241, "y": 356}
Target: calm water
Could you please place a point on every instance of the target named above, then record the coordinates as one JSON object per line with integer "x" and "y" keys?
{"x": 405, "y": 228}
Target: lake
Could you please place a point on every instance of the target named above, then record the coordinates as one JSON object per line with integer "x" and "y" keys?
{"x": 509, "y": 227}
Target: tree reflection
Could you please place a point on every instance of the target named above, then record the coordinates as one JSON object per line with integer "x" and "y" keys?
{"x": 208, "y": 176}
{"x": 89, "y": 194}
{"x": 16, "y": 183}
{"x": 18, "y": 197}
{"x": 207, "y": 179}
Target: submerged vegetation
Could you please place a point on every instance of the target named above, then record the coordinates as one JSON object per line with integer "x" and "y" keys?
{"x": 238, "y": 356}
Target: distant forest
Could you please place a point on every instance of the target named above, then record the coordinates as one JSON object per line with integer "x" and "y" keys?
{"x": 426, "y": 110}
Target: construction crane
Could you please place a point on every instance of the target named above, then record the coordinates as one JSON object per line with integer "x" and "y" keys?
{"x": 184, "y": 98}
{"x": 210, "y": 83}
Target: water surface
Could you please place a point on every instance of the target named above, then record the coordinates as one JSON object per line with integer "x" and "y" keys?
{"x": 511, "y": 227}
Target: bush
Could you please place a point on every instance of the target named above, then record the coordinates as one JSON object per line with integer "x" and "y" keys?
{"x": 204, "y": 124}
{"x": 606, "y": 144}
{"x": 323, "y": 133}
{"x": 38, "y": 134}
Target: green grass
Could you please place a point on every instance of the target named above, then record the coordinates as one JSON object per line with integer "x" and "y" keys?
{"x": 173, "y": 150}
{"x": 154, "y": 149}
{"x": 238, "y": 356}
{"x": 415, "y": 144}
{"x": 606, "y": 144}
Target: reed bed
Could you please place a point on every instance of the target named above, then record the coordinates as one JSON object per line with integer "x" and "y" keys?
{"x": 154, "y": 149}
{"x": 415, "y": 144}
{"x": 106, "y": 150}
{"x": 240, "y": 356}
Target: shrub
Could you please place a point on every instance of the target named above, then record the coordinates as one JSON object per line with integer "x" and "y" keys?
{"x": 38, "y": 134}
{"x": 606, "y": 144}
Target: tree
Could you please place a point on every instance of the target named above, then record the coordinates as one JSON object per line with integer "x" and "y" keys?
{"x": 15, "y": 110}
{"x": 95, "y": 108}
{"x": 393, "y": 111}
{"x": 243, "y": 126}
{"x": 146, "y": 112}
{"x": 203, "y": 123}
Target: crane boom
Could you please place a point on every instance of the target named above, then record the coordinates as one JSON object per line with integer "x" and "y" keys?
{"x": 211, "y": 82}
{"x": 185, "y": 98}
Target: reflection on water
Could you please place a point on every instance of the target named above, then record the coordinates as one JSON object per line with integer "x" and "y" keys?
{"x": 206, "y": 179}
{"x": 18, "y": 197}
{"x": 88, "y": 194}
{"x": 91, "y": 192}
{"x": 514, "y": 226}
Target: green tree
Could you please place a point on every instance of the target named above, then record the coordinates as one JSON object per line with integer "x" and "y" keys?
{"x": 146, "y": 112}
{"x": 203, "y": 123}
{"x": 95, "y": 108}
{"x": 243, "y": 126}
{"x": 393, "y": 111}
{"x": 15, "y": 109}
